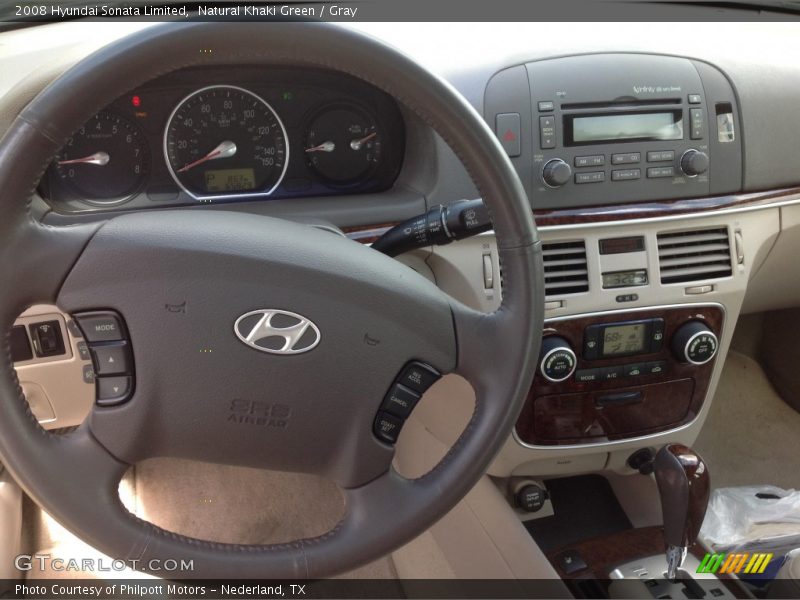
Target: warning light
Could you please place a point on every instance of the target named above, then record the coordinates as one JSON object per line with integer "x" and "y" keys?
{"x": 136, "y": 101}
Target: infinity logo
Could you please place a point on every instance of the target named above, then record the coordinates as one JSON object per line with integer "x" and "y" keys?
{"x": 277, "y": 331}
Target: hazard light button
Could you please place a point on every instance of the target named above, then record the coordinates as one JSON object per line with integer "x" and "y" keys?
{"x": 508, "y": 130}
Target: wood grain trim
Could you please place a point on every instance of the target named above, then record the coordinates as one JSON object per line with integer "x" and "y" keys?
{"x": 554, "y": 413}
{"x": 649, "y": 210}
{"x": 366, "y": 234}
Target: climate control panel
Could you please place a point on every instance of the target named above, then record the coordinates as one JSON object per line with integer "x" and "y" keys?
{"x": 621, "y": 374}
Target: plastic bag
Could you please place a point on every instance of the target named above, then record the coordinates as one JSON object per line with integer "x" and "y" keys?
{"x": 755, "y": 517}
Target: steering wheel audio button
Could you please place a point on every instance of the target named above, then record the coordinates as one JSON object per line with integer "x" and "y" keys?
{"x": 101, "y": 327}
{"x": 112, "y": 390}
{"x": 112, "y": 359}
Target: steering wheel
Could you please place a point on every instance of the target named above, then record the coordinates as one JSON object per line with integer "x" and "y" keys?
{"x": 223, "y": 265}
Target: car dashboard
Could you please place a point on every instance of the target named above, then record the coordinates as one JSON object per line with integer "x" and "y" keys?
{"x": 663, "y": 176}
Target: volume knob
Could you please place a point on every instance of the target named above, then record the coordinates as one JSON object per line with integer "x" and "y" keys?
{"x": 556, "y": 173}
{"x": 694, "y": 343}
{"x": 694, "y": 162}
{"x": 557, "y": 360}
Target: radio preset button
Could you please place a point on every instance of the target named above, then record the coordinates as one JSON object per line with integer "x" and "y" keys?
{"x": 626, "y": 174}
{"x": 661, "y": 156}
{"x": 596, "y": 160}
{"x": 654, "y": 172}
{"x": 547, "y": 132}
{"x": 592, "y": 177}
{"x": 629, "y": 158}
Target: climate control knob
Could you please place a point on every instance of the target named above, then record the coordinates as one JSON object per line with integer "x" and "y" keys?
{"x": 556, "y": 173}
{"x": 557, "y": 361}
{"x": 694, "y": 343}
{"x": 694, "y": 162}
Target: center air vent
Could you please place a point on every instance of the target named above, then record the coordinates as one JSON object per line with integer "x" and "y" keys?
{"x": 565, "y": 269}
{"x": 694, "y": 255}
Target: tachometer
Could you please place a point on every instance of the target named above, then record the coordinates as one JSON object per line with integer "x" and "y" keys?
{"x": 224, "y": 141}
{"x": 105, "y": 161}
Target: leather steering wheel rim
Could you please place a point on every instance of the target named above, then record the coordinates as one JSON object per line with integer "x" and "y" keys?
{"x": 75, "y": 476}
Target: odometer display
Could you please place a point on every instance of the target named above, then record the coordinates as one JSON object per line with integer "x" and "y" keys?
{"x": 224, "y": 141}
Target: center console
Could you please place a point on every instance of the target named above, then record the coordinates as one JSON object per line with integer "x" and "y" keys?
{"x": 620, "y": 374}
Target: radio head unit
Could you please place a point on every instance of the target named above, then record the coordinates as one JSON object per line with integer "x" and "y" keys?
{"x": 610, "y": 128}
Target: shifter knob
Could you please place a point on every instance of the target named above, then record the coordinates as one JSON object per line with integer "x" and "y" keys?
{"x": 684, "y": 486}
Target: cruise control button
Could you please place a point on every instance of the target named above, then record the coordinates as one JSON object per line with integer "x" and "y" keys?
{"x": 112, "y": 359}
{"x": 112, "y": 390}
{"x": 100, "y": 327}
{"x": 387, "y": 427}
{"x": 400, "y": 401}
{"x": 419, "y": 377}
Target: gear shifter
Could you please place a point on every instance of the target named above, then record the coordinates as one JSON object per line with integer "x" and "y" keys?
{"x": 684, "y": 486}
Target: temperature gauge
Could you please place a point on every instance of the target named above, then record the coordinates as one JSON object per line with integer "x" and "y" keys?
{"x": 343, "y": 145}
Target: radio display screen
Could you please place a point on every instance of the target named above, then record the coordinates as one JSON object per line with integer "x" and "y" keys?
{"x": 624, "y": 339}
{"x": 598, "y": 129}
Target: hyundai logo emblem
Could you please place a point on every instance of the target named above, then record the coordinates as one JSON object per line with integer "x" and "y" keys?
{"x": 277, "y": 331}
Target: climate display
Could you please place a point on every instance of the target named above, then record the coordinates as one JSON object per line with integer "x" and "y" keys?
{"x": 624, "y": 339}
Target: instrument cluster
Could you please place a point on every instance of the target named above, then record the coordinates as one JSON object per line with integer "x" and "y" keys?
{"x": 231, "y": 134}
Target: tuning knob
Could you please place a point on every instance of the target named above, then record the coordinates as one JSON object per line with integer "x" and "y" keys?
{"x": 557, "y": 360}
{"x": 694, "y": 343}
{"x": 556, "y": 173}
{"x": 694, "y": 162}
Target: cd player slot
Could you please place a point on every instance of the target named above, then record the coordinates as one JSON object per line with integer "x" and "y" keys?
{"x": 621, "y": 104}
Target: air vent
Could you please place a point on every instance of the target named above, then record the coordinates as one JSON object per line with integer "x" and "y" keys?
{"x": 694, "y": 255}
{"x": 565, "y": 269}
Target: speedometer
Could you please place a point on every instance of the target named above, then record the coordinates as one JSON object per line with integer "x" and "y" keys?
{"x": 224, "y": 141}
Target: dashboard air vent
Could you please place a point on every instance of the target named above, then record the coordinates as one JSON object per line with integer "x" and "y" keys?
{"x": 565, "y": 270}
{"x": 694, "y": 255}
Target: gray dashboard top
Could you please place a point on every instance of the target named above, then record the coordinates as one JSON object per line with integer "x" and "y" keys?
{"x": 759, "y": 59}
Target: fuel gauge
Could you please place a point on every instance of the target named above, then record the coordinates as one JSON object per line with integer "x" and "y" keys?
{"x": 343, "y": 145}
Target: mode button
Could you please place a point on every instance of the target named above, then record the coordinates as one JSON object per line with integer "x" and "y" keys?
{"x": 100, "y": 327}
